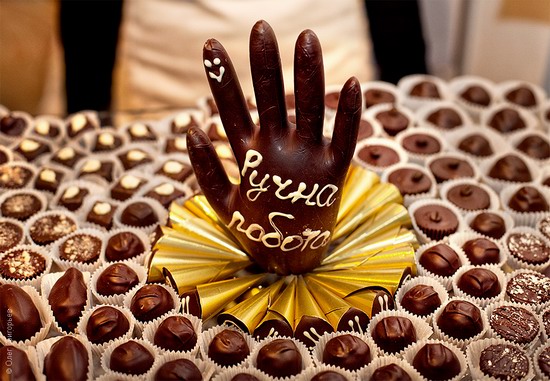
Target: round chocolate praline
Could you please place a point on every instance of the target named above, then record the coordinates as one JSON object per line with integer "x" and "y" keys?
{"x": 150, "y": 302}
{"x": 446, "y": 118}
{"x": 440, "y": 259}
{"x": 378, "y": 155}
{"x": 510, "y": 168}
{"x": 481, "y": 251}
{"x": 504, "y": 362}
{"x": 347, "y": 351}
{"x": 21, "y": 206}
{"x": 394, "y": 333}
{"x": 393, "y": 121}
{"x": 479, "y": 283}
{"x": 50, "y": 228}
{"x": 489, "y": 224}
{"x": 15, "y": 176}
{"x": 421, "y": 300}
{"x": 528, "y": 199}
{"x": 436, "y": 362}
{"x": 13, "y": 125}
{"x": 476, "y": 145}
{"x": 469, "y": 197}
{"x": 522, "y": 96}
{"x": 436, "y": 221}
{"x": 228, "y": 348}
{"x": 177, "y": 370}
{"x": 376, "y": 96}
{"x": 15, "y": 364}
{"x": 460, "y": 320}
{"x": 139, "y": 214}
{"x": 507, "y": 120}
{"x": 68, "y": 298}
{"x": 21, "y": 264}
{"x": 410, "y": 181}
{"x": 422, "y": 144}
{"x": 529, "y": 288}
{"x": 131, "y": 358}
{"x": 528, "y": 248}
{"x": 106, "y": 323}
{"x": 83, "y": 248}
{"x": 116, "y": 279}
{"x": 24, "y": 318}
{"x": 449, "y": 168}
{"x": 425, "y": 89}
{"x": 391, "y": 372}
{"x": 10, "y": 235}
{"x": 476, "y": 94}
{"x": 328, "y": 375}
{"x": 514, "y": 323}
{"x": 67, "y": 360}
{"x": 123, "y": 245}
{"x": 176, "y": 333}
{"x": 280, "y": 358}
{"x": 535, "y": 146}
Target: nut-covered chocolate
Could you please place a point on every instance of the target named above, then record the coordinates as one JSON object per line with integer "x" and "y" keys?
{"x": 11, "y": 235}
{"x": 504, "y": 362}
{"x": 394, "y": 333}
{"x": 514, "y": 323}
{"x": 347, "y": 351}
{"x": 21, "y": 264}
{"x": 132, "y": 358}
{"x": 67, "y": 360}
{"x": 280, "y": 358}
{"x": 529, "y": 288}
{"x": 479, "y": 283}
{"x": 106, "y": 323}
{"x": 116, "y": 279}
{"x": 228, "y": 348}
{"x": 83, "y": 248}
{"x": 68, "y": 298}
{"x": 150, "y": 302}
{"x": 528, "y": 248}
{"x": 50, "y": 228}
{"x": 19, "y": 317}
{"x": 436, "y": 362}
{"x": 460, "y": 320}
{"x": 15, "y": 176}
{"x": 176, "y": 333}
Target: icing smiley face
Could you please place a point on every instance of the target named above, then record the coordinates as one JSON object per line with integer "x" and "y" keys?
{"x": 211, "y": 65}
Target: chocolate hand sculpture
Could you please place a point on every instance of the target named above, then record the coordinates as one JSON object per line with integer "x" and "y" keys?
{"x": 284, "y": 210}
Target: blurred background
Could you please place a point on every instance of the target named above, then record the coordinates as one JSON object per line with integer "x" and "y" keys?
{"x": 44, "y": 42}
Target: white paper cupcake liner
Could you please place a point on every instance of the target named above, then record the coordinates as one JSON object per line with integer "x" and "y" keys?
{"x": 419, "y": 158}
{"x": 119, "y": 298}
{"x": 413, "y": 350}
{"x": 498, "y": 184}
{"x": 424, "y": 112}
{"x": 35, "y": 280}
{"x": 106, "y": 360}
{"x": 380, "y": 362}
{"x": 423, "y": 330}
{"x": 143, "y": 237}
{"x": 538, "y": 372}
{"x": 459, "y": 239}
{"x": 523, "y": 218}
{"x": 8, "y": 139}
{"x": 517, "y": 263}
{"x": 494, "y": 202}
{"x": 150, "y": 330}
{"x": 93, "y": 189}
{"x": 319, "y": 368}
{"x": 51, "y": 120}
{"x": 481, "y": 302}
{"x": 459, "y": 84}
{"x": 496, "y": 141}
{"x": 421, "y": 280}
{"x": 474, "y": 352}
{"x": 508, "y": 221}
{"x": 537, "y": 306}
{"x": 34, "y": 219}
{"x": 540, "y": 95}
{"x": 408, "y": 199}
{"x": 46, "y": 286}
{"x": 406, "y": 84}
{"x": 64, "y": 264}
{"x": 455, "y": 155}
{"x": 423, "y": 238}
{"x": 401, "y": 154}
{"x": 373, "y": 111}
{"x": 32, "y": 168}
{"x": 18, "y": 223}
{"x": 43, "y": 349}
{"x": 206, "y": 369}
{"x": 161, "y": 213}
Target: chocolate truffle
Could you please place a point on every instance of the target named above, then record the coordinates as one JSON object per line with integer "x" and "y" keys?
{"x": 510, "y": 168}
{"x": 83, "y": 248}
{"x": 410, "y": 181}
{"x": 529, "y": 288}
{"x": 421, "y": 300}
{"x": 182, "y": 123}
{"x": 139, "y": 214}
{"x": 19, "y": 317}
{"x": 421, "y": 144}
{"x": 68, "y": 298}
{"x": 460, "y": 320}
{"x": 393, "y": 333}
{"x": 67, "y": 156}
{"x": 528, "y": 248}
{"x": 15, "y": 364}
{"x": 544, "y": 361}
{"x": 514, "y": 323}
{"x": 271, "y": 327}
{"x": 126, "y": 187}
{"x": 489, "y": 224}
{"x": 131, "y": 358}
{"x": 106, "y": 141}
{"x": 101, "y": 214}
{"x": 476, "y": 145}
{"x": 535, "y": 146}
{"x": 228, "y": 348}
{"x": 279, "y": 358}
{"x": 116, "y": 279}
{"x": 436, "y": 362}
{"x": 140, "y": 132}
{"x": 13, "y": 125}
{"x": 481, "y": 251}
{"x": 50, "y": 228}
{"x": 78, "y": 124}
{"x": 504, "y": 362}
{"x": 106, "y": 323}
{"x": 476, "y": 94}
{"x": 31, "y": 149}
{"x": 309, "y": 324}
{"x": 436, "y": 221}
{"x": 448, "y": 168}
{"x": 165, "y": 193}
{"x": 522, "y": 96}
{"x": 440, "y": 259}
{"x": 176, "y": 145}
{"x": 176, "y": 333}
{"x": 150, "y": 302}
{"x": 67, "y": 360}
{"x": 425, "y": 89}
{"x": 469, "y": 197}
{"x": 48, "y": 179}
{"x": 177, "y": 370}
{"x": 393, "y": 121}
{"x": 347, "y": 351}
{"x": 479, "y": 283}
{"x": 376, "y": 96}
{"x": 365, "y": 130}
{"x": 133, "y": 158}
{"x": 378, "y": 155}
{"x": 391, "y": 372}
{"x": 21, "y": 205}
{"x": 21, "y": 264}
{"x": 445, "y": 118}
{"x": 507, "y": 120}
{"x": 73, "y": 197}
{"x": 176, "y": 170}
{"x": 14, "y": 176}
{"x": 10, "y": 235}
{"x": 123, "y": 245}
{"x": 95, "y": 167}
{"x": 326, "y": 375}
{"x": 528, "y": 199}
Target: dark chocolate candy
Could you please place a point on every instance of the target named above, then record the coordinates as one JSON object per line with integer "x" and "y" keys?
{"x": 507, "y": 120}
{"x": 347, "y": 351}
{"x": 393, "y": 121}
{"x": 391, "y": 372}
{"x": 328, "y": 375}
{"x": 489, "y": 224}
{"x": 436, "y": 221}
{"x": 448, "y": 168}
{"x": 14, "y": 176}
{"x": 101, "y": 213}
{"x": 10, "y": 235}
{"x": 140, "y": 132}
{"x": 46, "y": 129}
{"x": 20, "y": 264}
{"x": 529, "y": 288}
{"x": 123, "y": 245}
{"x": 469, "y": 197}
{"x": 528, "y": 247}
{"x": 476, "y": 94}
{"x": 504, "y": 362}
{"x": 440, "y": 259}
{"x": 21, "y": 205}
{"x": 78, "y": 124}
{"x": 421, "y": 300}
{"x": 165, "y": 193}
{"x": 393, "y": 333}
{"x": 126, "y": 187}
{"x": 177, "y": 370}
{"x": 422, "y": 144}
{"x": 353, "y": 320}
{"x": 535, "y": 146}
{"x": 116, "y": 279}
{"x": 481, "y": 251}
{"x": 528, "y": 199}
{"x": 544, "y": 361}
{"x": 150, "y": 302}
{"x": 48, "y": 180}
{"x": 176, "y": 333}
{"x": 273, "y": 327}
{"x": 182, "y": 123}
{"x": 175, "y": 170}
{"x": 134, "y": 158}
{"x": 31, "y": 149}
{"x": 378, "y": 155}
{"x": 176, "y": 145}
{"x": 522, "y": 96}
{"x": 106, "y": 323}
{"x": 68, "y": 298}
{"x": 67, "y": 156}
{"x": 510, "y": 168}
{"x": 479, "y": 283}
{"x": 73, "y": 197}
{"x": 132, "y": 358}
{"x": 410, "y": 181}
{"x": 514, "y": 323}
{"x": 95, "y": 167}
{"x": 83, "y": 248}
{"x": 67, "y": 360}
{"x": 425, "y": 89}
{"x": 279, "y": 358}
{"x": 139, "y": 214}
{"x": 476, "y": 145}
{"x": 376, "y": 96}
{"x": 446, "y": 118}
{"x": 15, "y": 365}
{"x": 106, "y": 141}
{"x": 460, "y": 320}
{"x": 309, "y": 324}
{"x": 12, "y": 125}
{"x": 436, "y": 362}
{"x": 228, "y": 348}
{"x": 19, "y": 317}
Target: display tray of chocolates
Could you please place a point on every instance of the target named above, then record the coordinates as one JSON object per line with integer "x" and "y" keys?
{"x": 420, "y": 250}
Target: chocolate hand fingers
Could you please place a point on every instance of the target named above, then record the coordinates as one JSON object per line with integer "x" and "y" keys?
{"x": 309, "y": 87}
{"x": 267, "y": 77}
{"x": 346, "y": 124}
{"x": 209, "y": 172}
{"x": 229, "y": 97}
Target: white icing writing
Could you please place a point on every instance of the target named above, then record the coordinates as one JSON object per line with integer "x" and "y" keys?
{"x": 212, "y": 75}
